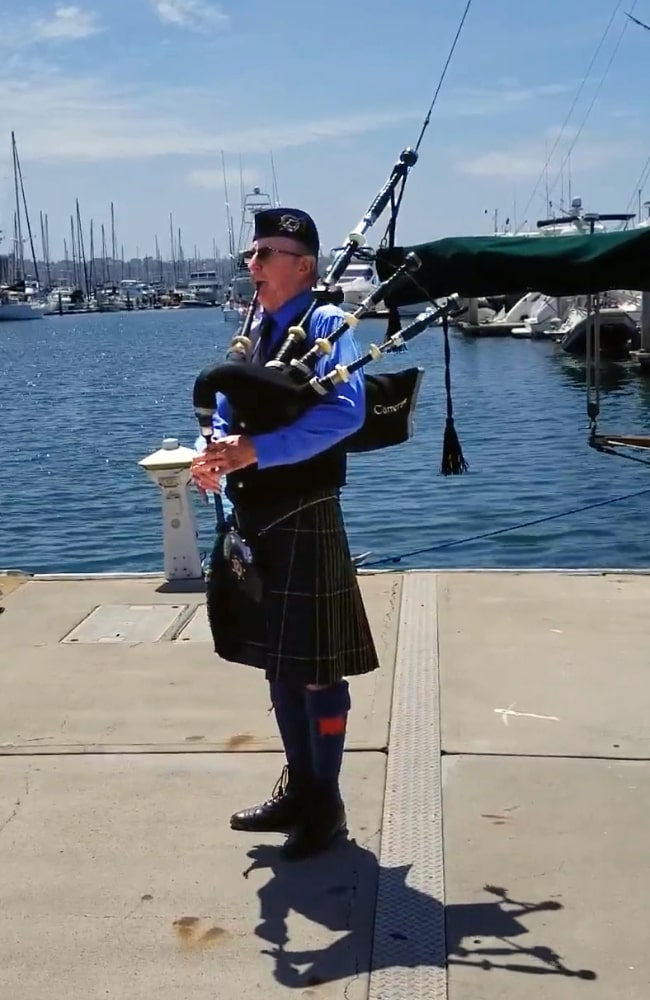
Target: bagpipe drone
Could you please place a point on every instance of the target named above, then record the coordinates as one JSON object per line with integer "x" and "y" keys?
{"x": 265, "y": 397}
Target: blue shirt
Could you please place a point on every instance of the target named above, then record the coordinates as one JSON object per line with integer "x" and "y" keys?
{"x": 342, "y": 410}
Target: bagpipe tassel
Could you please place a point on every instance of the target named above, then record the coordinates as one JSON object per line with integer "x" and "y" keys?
{"x": 394, "y": 326}
{"x": 453, "y": 461}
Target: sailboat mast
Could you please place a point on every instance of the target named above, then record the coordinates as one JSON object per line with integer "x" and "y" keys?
{"x": 82, "y": 249}
{"x": 276, "y": 193}
{"x": 26, "y": 210}
{"x": 113, "y": 243}
{"x": 171, "y": 240}
{"x": 104, "y": 263}
{"x": 47, "y": 240}
{"x": 18, "y": 250}
{"x": 46, "y": 249}
{"x": 91, "y": 276}
{"x": 15, "y": 274}
{"x": 159, "y": 259}
{"x": 229, "y": 222}
{"x": 74, "y": 255}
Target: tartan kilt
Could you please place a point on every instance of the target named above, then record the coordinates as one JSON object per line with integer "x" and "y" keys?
{"x": 310, "y": 626}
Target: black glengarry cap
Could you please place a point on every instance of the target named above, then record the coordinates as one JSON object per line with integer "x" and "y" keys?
{"x": 290, "y": 222}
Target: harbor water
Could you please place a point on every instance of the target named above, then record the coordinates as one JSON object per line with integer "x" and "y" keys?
{"x": 85, "y": 397}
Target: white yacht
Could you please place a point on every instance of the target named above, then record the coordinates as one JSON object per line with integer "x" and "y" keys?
{"x": 16, "y": 307}
{"x": 64, "y": 299}
{"x": 206, "y": 286}
{"x": 188, "y": 299}
{"x": 619, "y": 334}
{"x": 240, "y": 290}
{"x": 539, "y": 315}
{"x": 534, "y": 315}
{"x": 358, "y": 281}
{"x": 19, "y": 297}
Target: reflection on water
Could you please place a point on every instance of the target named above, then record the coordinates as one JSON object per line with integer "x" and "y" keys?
{"x": 614, "y": 376}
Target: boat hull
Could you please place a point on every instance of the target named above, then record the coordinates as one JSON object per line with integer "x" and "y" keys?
{"x": 618, "y": 336}
{"x": 12, "y": 311}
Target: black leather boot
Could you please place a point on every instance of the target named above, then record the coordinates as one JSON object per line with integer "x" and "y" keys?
{"x": 323, "y": 822}
{"x": 280, "y": 813}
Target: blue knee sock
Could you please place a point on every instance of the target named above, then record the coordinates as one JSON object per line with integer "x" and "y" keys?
{"x": 328, "y": 709}
{"x": 293, "y": 724}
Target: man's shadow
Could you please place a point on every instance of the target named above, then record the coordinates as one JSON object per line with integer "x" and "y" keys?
{"x": 338, "y": 891}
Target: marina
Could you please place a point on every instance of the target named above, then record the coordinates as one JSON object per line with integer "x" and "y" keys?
{"x": 112, "y": 673}
{"x": 496, "y": 764}
{"x": 521, "y": 415}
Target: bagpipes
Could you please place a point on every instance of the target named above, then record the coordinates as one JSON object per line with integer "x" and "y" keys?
{"x": 266, "y": 397}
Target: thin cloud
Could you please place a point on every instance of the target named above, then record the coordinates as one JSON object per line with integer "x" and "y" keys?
{"x": 512, "y": 93}
{"x": 523, "y": 161}
{"x": 212, "y": 179}
{"x": 192, "y": 14}
{"x": 89, "y": 119}
{"x": 496, "y": 101}
{"x": 86, "y": 120}
{"x": 67, "y": 23}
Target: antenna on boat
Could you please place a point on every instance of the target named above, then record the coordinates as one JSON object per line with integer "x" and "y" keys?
{"x": 229, "y": 221}
{"x": 276, "y": 195}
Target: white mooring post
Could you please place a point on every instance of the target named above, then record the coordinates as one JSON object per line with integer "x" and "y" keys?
{"x": 645, "y": 322}
{"x": 170, "y": 468}
{"x": 642, "y": 356}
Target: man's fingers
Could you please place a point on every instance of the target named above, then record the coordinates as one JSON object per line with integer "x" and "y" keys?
{"x": 208, "y": 486}
{"x": 206, "y": 477}
{"x": 216, "y": 447}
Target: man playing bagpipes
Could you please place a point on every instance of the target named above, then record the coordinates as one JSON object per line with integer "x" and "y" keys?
{"x": 282, "y": 592}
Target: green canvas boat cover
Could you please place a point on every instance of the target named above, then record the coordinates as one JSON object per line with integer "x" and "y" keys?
{"x": 475, "y": 266}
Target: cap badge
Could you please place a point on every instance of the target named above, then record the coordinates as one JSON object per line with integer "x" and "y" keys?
{"x": 289, "y": 223}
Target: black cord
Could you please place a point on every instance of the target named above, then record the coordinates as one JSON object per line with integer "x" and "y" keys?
{"x": 611, "y": 450}
{"x": 442, "y": 75}
{"x": 503, "y": 531}
{"x": 395, "y": 206}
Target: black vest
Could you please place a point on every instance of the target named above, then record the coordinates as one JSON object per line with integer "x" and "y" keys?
{"x": 254, "y": 487}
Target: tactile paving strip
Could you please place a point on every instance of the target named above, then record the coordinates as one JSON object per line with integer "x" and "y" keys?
{"x": 409, "y": 949}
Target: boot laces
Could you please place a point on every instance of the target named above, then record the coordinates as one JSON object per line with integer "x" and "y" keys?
{"x": 281, "y": 785}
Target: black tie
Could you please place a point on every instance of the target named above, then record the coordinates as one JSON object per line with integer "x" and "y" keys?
{"x": 264, "y": 339}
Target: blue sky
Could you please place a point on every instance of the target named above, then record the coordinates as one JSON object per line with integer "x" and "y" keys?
{"x": 133, "y": 101}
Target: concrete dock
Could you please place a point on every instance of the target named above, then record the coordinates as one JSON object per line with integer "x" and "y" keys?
{"x": 497, "y": 781}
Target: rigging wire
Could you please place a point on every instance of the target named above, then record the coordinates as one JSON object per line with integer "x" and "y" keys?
{"x": 387, "y": 560}
{"x": 593, "y": 100}
{"x": 573, "y": 105}
{"x": 443, "y": 74}
{"x": 390, "y": 230}
{"x": 640, "y": 184}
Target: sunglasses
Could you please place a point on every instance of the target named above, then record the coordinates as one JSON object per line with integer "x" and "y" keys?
{"x": 265, "y": 253}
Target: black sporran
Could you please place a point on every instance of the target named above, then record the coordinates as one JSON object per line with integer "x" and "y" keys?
{"x": 239, "y": 561}
{"x": 233, "y": 592}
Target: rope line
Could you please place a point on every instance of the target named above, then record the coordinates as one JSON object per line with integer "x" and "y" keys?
{"x": 544, "y": 169}
{"x": 389, "y": 235}
{"x": 443, "y": 74}
{"x": 593, "y": 101}
{"x": 502, "y": 531}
